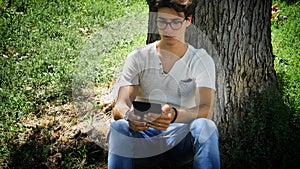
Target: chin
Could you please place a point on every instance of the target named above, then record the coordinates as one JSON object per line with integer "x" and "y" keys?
{"x": 171, "y": 42}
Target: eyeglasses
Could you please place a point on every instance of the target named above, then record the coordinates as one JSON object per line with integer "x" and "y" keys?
{"x": 175, "y": 24}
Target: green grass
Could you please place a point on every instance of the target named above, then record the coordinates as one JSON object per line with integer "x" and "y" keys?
{"x": 43, "y": 42}
{"x": 51, "y": 49}
{"x": 286, "y": 48}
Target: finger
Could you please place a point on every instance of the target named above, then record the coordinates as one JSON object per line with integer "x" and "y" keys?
{"x": 158, "y": 126}
{"x": 151, "y": 117}
{"x": 133, "y": 117}
{"x": 138, "y": 126}
{"x": 163, "y": 121}
{"x": 164, "y": 118}
{"x": 166, "y": 108}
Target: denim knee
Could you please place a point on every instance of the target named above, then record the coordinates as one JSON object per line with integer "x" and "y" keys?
{"x": 203, "y": 129}
{"x": 121, "y": 126}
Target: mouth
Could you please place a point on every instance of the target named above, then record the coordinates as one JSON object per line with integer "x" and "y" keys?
{"x": 168, "y": 37}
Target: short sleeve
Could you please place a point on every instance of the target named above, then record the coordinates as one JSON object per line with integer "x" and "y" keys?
{"x": 205, "y": 70}
{"x": 130, "y": 71}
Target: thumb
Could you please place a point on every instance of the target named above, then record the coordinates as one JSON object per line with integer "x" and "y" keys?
{"x": 166, "y": 108}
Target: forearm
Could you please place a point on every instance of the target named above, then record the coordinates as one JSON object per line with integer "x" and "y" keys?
{"x": 124, "y": 101}
{"x": 204, "y": 109}
{"x": 188, "y": 115}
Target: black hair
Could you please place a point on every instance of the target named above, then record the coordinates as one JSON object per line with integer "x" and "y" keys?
{"x": 188, "y": 8}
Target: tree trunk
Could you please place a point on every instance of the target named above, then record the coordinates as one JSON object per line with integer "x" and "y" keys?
{"x": 240, "y": 34}
{"x": 237, "y": 35}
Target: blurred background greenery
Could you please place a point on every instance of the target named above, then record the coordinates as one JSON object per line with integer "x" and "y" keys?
{"x": 42, "y": 43}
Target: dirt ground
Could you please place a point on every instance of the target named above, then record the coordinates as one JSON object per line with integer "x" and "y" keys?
{"x": 55, "y": 136}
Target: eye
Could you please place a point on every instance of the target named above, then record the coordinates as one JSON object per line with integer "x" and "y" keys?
{"x": 176, "y": 22}
{"x": 161, "y": 23}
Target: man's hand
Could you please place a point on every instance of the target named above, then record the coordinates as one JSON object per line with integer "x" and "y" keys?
{"x": 160, "y": 121}
{"x": 154, "y": 120}
{"x": 134, "y": 122}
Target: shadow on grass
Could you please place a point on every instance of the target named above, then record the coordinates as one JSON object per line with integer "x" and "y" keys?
{"x": 41, "y": 151}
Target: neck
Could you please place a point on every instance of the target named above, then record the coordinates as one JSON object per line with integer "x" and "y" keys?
{"x": 177, "y": 49}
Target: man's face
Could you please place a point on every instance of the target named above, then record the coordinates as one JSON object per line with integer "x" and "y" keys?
{"x": 171, "y": 26}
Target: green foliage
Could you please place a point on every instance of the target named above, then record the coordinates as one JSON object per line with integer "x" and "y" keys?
{"x": 286, "y": 48}
{"x": 48, "y": 49}
{"x": 265, "y": 138}
{"x": 289, "y": 1}
{"x": 41, "y": 44}
{"x": 40, "y": 40}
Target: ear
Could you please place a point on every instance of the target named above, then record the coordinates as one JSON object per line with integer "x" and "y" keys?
{"x": 189, "y": 20}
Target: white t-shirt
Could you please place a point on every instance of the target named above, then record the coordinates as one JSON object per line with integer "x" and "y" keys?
{"x": 177, "y": 88}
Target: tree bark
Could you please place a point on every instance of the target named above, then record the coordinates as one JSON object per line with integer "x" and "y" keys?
{"x": 239, "y": 40}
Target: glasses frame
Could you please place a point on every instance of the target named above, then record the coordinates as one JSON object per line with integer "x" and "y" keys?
{"x": 169, "y": 23}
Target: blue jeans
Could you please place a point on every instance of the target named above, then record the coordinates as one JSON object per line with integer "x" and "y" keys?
{"x": 180, "y": 144}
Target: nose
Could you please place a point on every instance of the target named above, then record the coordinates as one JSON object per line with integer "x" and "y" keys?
{"x": 168, "y": 28}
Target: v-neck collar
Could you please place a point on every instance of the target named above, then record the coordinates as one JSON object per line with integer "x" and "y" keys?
{"x": 182, "y": 59}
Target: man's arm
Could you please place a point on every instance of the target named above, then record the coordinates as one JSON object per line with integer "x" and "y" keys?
{"x": 124, "y": 101}
{"x": 204, "y": 110}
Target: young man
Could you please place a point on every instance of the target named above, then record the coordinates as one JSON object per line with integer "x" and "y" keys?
{"x": 177, "y": 76}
